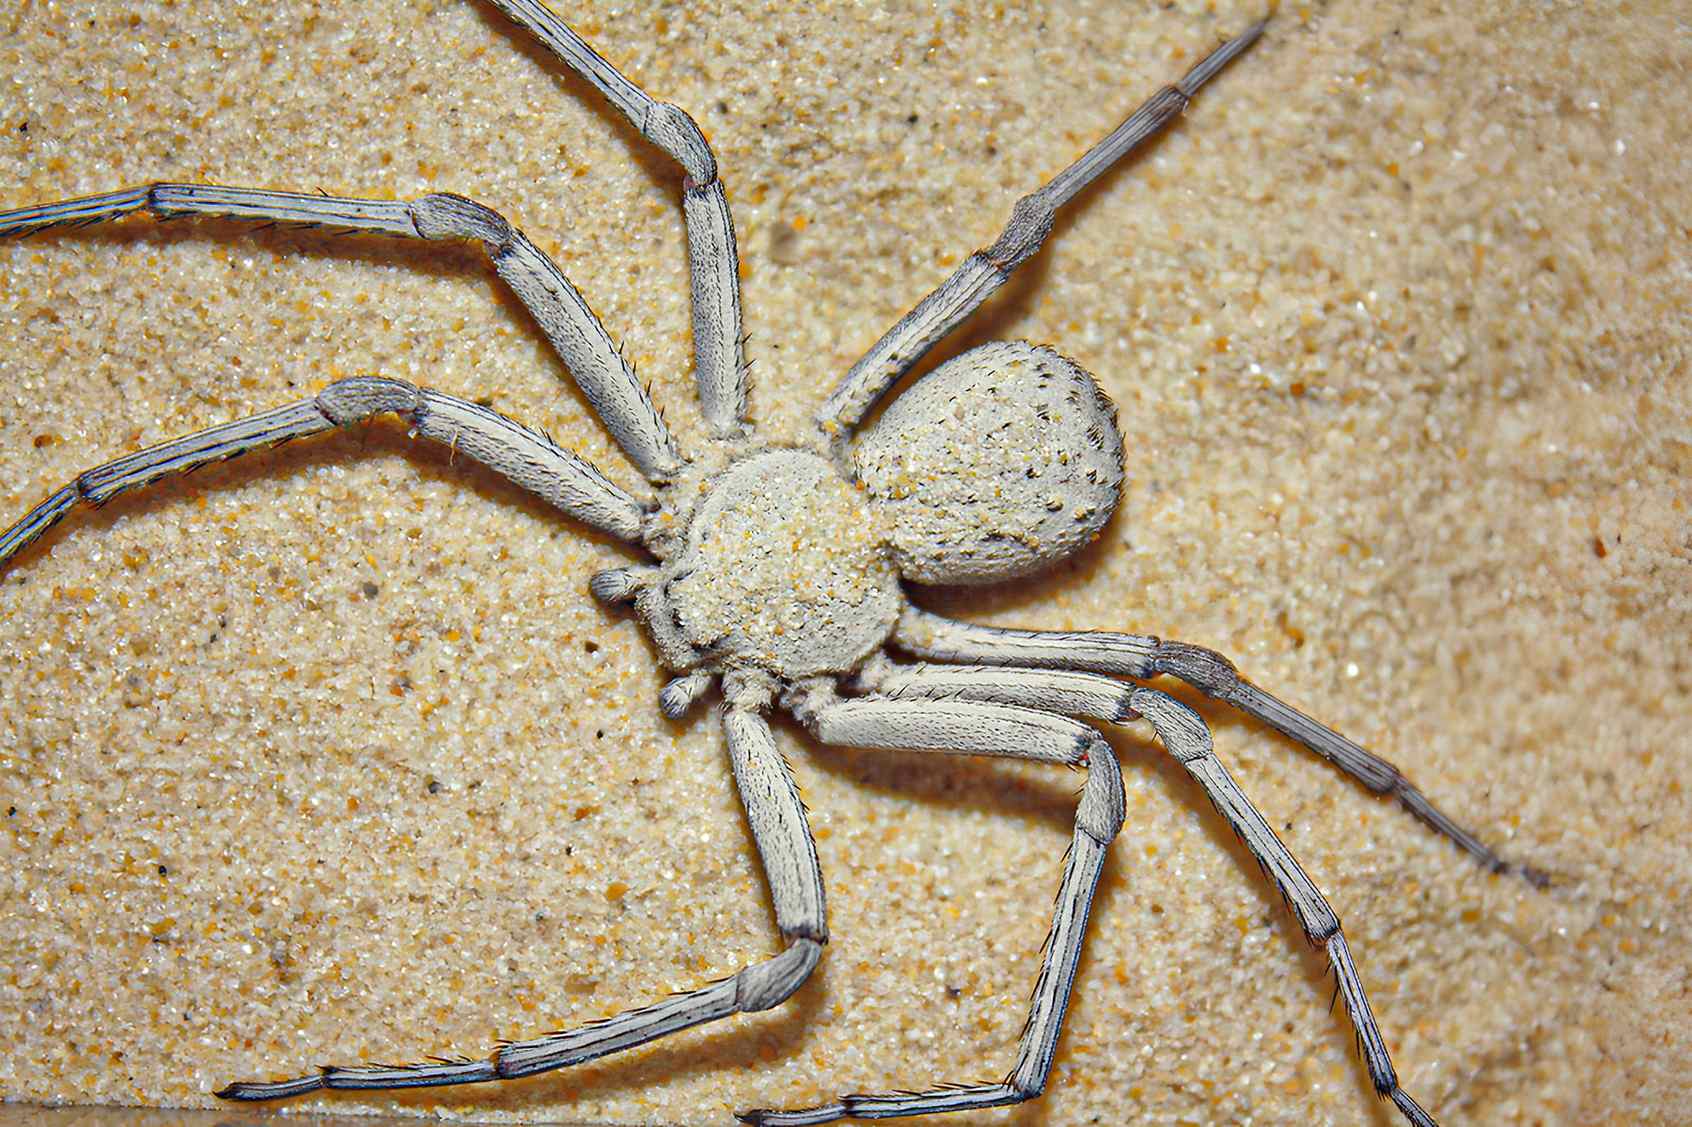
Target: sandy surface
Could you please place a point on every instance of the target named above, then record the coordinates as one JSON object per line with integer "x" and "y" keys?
{"x": 328, "y": 755}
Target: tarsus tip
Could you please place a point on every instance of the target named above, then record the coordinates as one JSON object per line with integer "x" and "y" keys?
{"x": 1206, "y": 68}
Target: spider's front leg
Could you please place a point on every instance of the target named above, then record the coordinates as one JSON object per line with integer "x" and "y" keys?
{"x": 965, "y": 728}
{"x": 594, "y": 362}
{"x": 713, "y": 260}
{"x": 524, "y": 456}
{"x": 782, "y": 834}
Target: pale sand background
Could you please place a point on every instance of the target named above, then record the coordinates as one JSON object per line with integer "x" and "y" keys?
{"x": 1397, "y": 321}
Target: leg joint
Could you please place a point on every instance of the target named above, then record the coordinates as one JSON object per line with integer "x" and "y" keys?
{"x": 350, "y": 400}
{"x": 671, "y": 129}
{"x": 1181, "y": 730}
{"x": 1030, "y": 222}
{"x": 1031, "y": 1090}
{"x": 1103, "y": 806}
{"x": 773, "y": 981}
{"x": 1027, "y": 1081}
{"x": 621, "y": 584}
{"x": 1320, "y": 924}
{"x": 1203, "y": 669}
{"x": 444, "y": 215}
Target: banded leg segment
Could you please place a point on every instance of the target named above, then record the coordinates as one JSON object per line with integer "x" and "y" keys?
{"x": 1184, "y": 735}
{"x": 985, "y": 729}
{"x": 937, "y": 638}
{"x": 758, "y": 986}
{"x": 556, "y": 305}
{"x": 215, "y": 444}
{"x": 526, "y": 457}
{"x": 983, "y": 272}
{"x": 713, "y": 260}
{"x": 1144, "y": 656}
{"x": 1215, "y": 676}
{"x": 783, "y": 837}
{"x": 1062, "y": 691}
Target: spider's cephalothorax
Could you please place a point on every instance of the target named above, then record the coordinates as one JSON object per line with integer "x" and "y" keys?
{"x": 765, "y": 574}
{"x": 786, "y": 561}
{"x": 779, "y": 570}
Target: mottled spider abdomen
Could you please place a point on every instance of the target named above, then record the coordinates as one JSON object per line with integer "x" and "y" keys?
{"x": 999, "y": 462}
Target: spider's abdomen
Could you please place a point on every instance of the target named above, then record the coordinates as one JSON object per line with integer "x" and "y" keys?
{"x": 999, "y": 462}
{"x": 783, "y": 567}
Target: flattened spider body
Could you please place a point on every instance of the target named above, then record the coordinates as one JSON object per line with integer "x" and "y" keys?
{"x": 782, "y": 566}
{"x": 998, "y": 463}
{"x": 779, "y": 570}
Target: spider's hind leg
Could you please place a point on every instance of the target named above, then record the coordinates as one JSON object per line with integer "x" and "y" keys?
{"x": 1215, "y": 676}
{"x": 1143, "y": 656}
{"x": 984, "y": 272}
{"x": 1184, "y": 735}
{"x": 968, "y": 728}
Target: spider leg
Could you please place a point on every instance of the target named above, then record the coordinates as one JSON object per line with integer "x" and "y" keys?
{"x": 985, "y": 729}
{"x": 713, "y": 261}
{"x": 1183, "y": 733}
{"x": 983, "y": 272}
{"x": 1185, "y": 736}
{"x": 1142, "y": 655}
{"x": 782, "y": 835}
{"x": 556, "y": 305}
{"x": 526, "y": 457}
{"x": 1062, "y": 691}
{"x": 1215, "y": 676}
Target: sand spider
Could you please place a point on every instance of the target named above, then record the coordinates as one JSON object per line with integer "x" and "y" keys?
{"x": 779, "y": 569}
